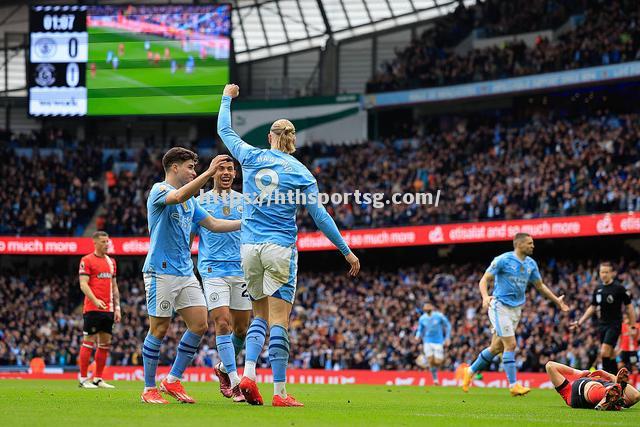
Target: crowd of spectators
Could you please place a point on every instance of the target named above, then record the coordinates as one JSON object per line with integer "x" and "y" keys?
{"x": 609, "y": 34}
{"x": 52, "y": 193}
{"x": 337, "y": 323}
{"x": 485, "y": 170}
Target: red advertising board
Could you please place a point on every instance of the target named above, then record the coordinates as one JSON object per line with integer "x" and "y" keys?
{"x": 309, "y": 376}
{"x": 473, "y": 232}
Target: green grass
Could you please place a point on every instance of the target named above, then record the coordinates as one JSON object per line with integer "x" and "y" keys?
{"x": 61, "y": 403}
{"x": 141, "y": 87}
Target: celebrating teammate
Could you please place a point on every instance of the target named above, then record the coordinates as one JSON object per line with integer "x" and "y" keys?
{"x": 609, "y": 297}
{"x": 598, "y": 390}
{"x": 269, "y": 254}
{"x": 223, "y": 279}
{"x": 435, "y": 330}
{"x": 511, "y": 272}
{"x": 100, "y": 310}
{"x": 168, "y": 270}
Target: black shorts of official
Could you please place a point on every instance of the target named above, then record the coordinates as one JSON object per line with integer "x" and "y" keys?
{"x": 97, "y": 321}
{"x": 609, "y": 334}
{"x": 630, "y": 359}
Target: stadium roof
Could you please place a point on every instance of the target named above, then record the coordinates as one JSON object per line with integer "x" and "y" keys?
{"x": 264, "y": 28}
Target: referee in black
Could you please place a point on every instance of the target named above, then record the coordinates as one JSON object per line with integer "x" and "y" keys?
{"x": 609, "y": 297}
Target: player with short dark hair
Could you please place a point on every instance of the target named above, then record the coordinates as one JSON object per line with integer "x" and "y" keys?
{"x": 598, "y": 390}
{"x": 100, "y": 310}
{"x": 434, "y": 330}
{"x": 511, "y": 273}
{"x": 170, "y": 284}
{"x": 609, "y": 297}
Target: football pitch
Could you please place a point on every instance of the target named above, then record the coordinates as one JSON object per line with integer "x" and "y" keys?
{"x": 61, "y": 403}
{"x": 139, "y": 85}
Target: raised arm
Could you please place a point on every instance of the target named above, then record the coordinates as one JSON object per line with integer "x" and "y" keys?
{"x": 238, "y": 148}
{"x": 192, "y": 188}
{"x": 327, "y": 226}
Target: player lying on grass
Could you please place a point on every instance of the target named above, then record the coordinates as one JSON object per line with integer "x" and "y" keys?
{"x": 223, "y": 279}
{"x": 598, "y": 390}
{"x": 268, "y": 242}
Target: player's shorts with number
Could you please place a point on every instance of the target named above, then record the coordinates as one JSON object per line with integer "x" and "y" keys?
{"x": 433, "y": 350}
{"x": 270, "y": 270}
{"x": 167, "y": 293}
{"x": 504, "y": 319}
{"x": 230, "y": 291}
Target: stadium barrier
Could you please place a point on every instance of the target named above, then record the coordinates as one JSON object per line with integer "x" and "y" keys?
{"x": 303, "y": 376}
{"x": 491, "y": 231}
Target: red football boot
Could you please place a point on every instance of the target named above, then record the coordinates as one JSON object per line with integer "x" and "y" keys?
{"x": 288, "y": 401}
{"x": 176, "y": 390}
{"x": 250, "y": 391}
{"x": 225, "y": 382}
{"x": 153, "y": 396}
{"x": 237, "y": 395}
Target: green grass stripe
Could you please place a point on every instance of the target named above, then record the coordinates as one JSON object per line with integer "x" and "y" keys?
{"x": 166, "y": 64}
{"x": 133, "y": 92}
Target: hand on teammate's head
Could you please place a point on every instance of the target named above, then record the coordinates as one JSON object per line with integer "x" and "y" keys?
{"x": 231, "y": 90}
{"x": 217, "y": 161}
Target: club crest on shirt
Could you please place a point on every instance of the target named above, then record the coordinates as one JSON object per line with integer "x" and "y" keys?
{"x": 226, "y": 210}
{"x": 522, "y": 269}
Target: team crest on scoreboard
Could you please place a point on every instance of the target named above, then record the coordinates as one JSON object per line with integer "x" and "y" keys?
{"x": 45, "y": 75}
{"x": 46, "y": 48}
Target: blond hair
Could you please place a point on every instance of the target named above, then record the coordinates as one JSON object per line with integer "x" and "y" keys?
{"x": 285, "y": 133}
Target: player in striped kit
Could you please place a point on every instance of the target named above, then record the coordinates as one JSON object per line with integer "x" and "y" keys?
{"x": 100, "y": 310}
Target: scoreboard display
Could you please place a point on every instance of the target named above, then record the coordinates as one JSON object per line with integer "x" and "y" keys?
{"x": 101, "y": 60}
{"x": 59, "y": 49}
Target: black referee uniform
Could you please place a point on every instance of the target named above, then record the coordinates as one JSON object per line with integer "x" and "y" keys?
{"x": 610, "y": 300}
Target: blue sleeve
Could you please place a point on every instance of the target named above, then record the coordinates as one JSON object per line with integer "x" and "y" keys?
{"x": 420, "y": 330}
{"x": 447, "y": 326}
{"x": 496, "y": 265}
{"x": 158, "y": 195}
{"x": 535, "y": 274}
{"x": 198, "y": 212}
{"x": 238, "y": 148}
{"x": 323, "y": 220}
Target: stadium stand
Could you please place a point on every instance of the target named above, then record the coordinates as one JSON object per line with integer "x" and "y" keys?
{"x": 334, "y": 325}
{"x": 608, "y": 35}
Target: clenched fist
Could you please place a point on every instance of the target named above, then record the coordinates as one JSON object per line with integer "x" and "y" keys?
{"x": 231, "y": 90}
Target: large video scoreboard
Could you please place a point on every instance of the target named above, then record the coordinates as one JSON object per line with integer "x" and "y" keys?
{"x": 59, "y": 50}
{"x": 128, "y": 59}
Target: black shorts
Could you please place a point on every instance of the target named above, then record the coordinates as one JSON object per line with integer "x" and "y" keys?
{"x": 578, "y": 395}
{"x": 97, "y": 321}
{"x": 609, "y": 334}
{"x": 630, "y": 359}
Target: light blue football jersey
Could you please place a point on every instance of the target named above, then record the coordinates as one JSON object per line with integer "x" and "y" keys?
{"x": 169, "y": 228}
{"x": 269, "y": 177}
{"x": 434, "y": 328}
{"x": 219, "y": 253}
{"x": 512, "y": 277}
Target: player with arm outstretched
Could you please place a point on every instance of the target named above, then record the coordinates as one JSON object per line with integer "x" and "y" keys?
{"x": 510, "y": 272}
{"x": 223, "y": 280}
{"x": 598, "y": 390}
{"x": 609, "y": 297}
{"x": 268, "y": 241}
{"x": 101, "y": 309}
{"x": 434, "y": 330}
{"x": 170, "y": 283}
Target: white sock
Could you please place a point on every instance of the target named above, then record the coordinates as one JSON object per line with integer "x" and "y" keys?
{"x": 513, "y": 385}
{"x": 222, "y": 368}
{"x": 146, "y": 389}
{"x": 172, "y": 378}
{"x": 234, "y": 378}
{"x": 250, "y": 370}
{"x": 83, "y": 379}
{"x": 279, "y": 389}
